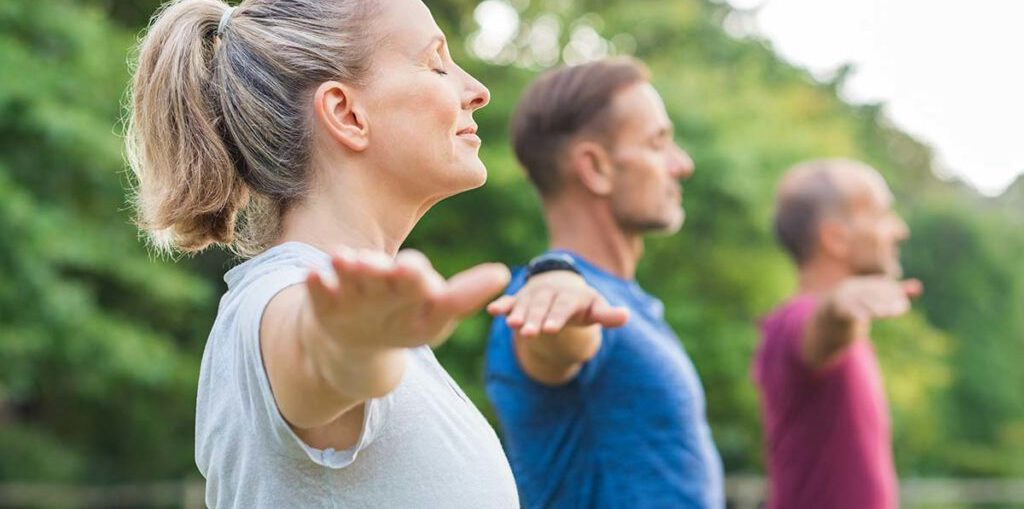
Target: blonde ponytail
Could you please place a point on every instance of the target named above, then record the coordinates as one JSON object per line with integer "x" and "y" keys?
{"x": 218, "y": 136}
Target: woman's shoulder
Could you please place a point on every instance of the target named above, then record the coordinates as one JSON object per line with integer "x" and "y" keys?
{"x": 282, "y": 257}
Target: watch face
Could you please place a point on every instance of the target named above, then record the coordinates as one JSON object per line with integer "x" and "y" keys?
{"x": 550, "y": 262}
{"x": 552, "y": 257}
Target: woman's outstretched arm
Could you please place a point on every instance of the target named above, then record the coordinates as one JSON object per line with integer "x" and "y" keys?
{"x": 339, "y": 339}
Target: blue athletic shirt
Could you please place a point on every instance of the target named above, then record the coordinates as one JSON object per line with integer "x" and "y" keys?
{"x": 629, "y": 431}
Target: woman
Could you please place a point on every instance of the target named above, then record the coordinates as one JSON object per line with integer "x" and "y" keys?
{"x": 311, "y": 136}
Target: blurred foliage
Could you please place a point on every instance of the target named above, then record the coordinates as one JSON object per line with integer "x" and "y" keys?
{"x": 100, "y": 342}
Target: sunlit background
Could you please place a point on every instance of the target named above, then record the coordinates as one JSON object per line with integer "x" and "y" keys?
{"x": 949, "y": 73}
{"x": 100, "y": 340}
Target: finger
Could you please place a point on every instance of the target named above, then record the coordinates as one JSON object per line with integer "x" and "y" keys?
{"x": 469, "y": 290}
{"x": 374, "y": 272}
{"x": 895, "y": 301}
{"x": 539, "y": 307}
{"x": 346, "y": 265}
{"x": 898, "y": 306}
{"x": 913, "y": 288}
{"x": 881, "y": 308}
{"x": 607, "y": 315}
{"x": 415, "y": 277}
{"x": 502, "y": 305}
{"x": 321, "y": 295}
{"x": 562, "y": 309}
{"x": 518, "y": 315}
{"x": 888, "y": 304}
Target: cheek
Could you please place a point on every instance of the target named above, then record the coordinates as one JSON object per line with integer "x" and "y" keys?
{"x": 422, "y": 115}
{"x": 658, "y": 186}
{"x": 639, "y": 178}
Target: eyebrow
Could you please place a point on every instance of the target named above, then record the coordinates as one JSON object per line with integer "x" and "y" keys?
{"x": 665, "y": 130}
{"x": 434, "y": 42}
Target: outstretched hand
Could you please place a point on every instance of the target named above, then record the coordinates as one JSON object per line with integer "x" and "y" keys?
{"x": 871, "y": 297}
{"x": 553, "y": 301}
{"x": 371, "y": 301}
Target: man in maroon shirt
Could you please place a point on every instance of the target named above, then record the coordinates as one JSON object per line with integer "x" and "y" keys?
{"x": 826, "y": 418}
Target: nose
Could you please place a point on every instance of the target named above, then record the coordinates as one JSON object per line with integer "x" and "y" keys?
{"x": 681, "y": 167}
{"x": 902, "y": 230}
{"x": 475, "y": 95}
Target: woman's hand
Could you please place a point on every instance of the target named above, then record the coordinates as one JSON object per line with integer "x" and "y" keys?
{"x": 341, "y": 339}
{"x": 372, "y": 302}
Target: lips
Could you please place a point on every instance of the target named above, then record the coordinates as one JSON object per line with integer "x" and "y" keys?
{"x": 678, "y": 193}
{"x": 471, "y": 130}
{"x": 468, "y": 134}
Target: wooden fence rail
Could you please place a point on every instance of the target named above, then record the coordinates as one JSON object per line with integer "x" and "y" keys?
{"x": 742, "y": 492}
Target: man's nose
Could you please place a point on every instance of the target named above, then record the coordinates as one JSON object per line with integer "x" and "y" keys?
{"x": 682, "y": 164}
{"x": 902, "y": 230}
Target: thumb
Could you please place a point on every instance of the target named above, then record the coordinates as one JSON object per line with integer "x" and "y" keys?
{"x": 913, "y": 288}
{"x": 608, "y": 316}
{"x": 502, "y": 305}
{"x": 470, "y": 289}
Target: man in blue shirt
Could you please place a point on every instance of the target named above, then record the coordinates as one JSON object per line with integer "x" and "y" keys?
{"x": 596, "y": 413}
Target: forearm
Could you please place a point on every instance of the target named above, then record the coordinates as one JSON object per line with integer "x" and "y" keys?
{"x": 827, "y": 334}
{"x": 345, "y": 365}
{"x": 556, "y": 358}
{"x": 315, "y": 377}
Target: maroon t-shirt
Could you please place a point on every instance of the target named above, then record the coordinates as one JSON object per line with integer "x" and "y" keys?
{"x": 827, "y": 434}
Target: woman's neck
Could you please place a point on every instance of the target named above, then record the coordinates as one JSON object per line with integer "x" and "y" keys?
{"x": 353, "y": 214}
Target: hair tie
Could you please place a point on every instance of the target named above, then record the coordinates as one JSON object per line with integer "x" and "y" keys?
{"x": 224, "y": 20}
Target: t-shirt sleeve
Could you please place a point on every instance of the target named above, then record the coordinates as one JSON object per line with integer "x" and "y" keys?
{"x": 266, "y": 417}
{"x": 590, "y": 369}
{"x": 792, "y": 329}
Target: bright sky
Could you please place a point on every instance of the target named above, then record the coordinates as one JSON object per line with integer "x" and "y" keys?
{"x": 950, "y": 72}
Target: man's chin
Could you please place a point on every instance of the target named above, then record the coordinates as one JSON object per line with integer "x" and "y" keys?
{"x": 674, "y": 224}
{"x": 891, "y": 271}
{"x": 895, "y": 272}
{"x": 660, "y": 228}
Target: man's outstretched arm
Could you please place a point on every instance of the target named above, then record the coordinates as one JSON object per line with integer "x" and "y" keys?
{"x": 556, "y": 321}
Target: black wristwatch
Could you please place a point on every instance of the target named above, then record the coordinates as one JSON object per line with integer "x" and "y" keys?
{"x": 548, "y": 262}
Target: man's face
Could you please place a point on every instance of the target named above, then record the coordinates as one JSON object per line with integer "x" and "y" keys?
{"x": 876, "y": 231}
{"x": 649, "y": 166}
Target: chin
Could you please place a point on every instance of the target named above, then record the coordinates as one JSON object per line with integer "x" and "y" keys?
{"x": 465, "y": 178}
{"x": 674, "y": 222}
{"x": 889, "y": 271}
{"x": 895, "y": 271}
{"x": 476, "y": 175}
{"x": 669, "y": 228}
{"x": 663, "y": 226}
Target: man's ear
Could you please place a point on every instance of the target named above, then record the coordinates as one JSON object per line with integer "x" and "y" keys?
{"x": 337, "y": 111}
{"x": 591, "y": 163}
{"x": 834, "y": 238}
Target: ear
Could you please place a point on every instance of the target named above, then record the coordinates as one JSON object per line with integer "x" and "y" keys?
{"x": 339, "y": 114}
{"x": 591, "y": 163}
{"x": 834, "y": 238}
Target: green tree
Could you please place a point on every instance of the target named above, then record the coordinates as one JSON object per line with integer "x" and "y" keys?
{"x": 100, "y": 341}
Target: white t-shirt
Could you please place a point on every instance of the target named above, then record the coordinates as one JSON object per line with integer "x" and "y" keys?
{"x": 424, "y": 445}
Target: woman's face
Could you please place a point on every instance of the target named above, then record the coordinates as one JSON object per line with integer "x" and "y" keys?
{"x": 420, "y": 108}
